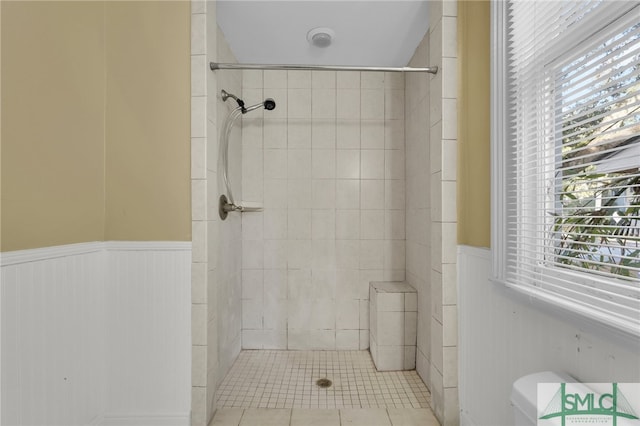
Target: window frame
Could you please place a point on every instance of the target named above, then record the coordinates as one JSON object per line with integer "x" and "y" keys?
{"x": 596, "y": 315}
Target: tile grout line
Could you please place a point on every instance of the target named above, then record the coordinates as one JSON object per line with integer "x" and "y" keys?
{"x": 241, "y": 416}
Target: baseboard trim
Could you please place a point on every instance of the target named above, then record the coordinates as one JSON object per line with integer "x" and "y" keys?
{"x": 142, "y": 419}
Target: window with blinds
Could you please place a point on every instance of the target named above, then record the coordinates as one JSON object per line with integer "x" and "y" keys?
{"x": 566, "y": 140}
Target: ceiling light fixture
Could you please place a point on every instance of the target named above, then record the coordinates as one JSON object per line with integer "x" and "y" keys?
{"x": 320, "y": 37}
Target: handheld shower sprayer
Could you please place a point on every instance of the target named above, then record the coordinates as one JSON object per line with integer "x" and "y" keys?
{"x": 227, "y": 205}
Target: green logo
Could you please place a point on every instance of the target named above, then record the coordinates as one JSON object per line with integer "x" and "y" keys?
{"x": 588, "y": 407}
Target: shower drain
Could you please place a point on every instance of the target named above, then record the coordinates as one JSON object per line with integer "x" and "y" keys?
{"x": 323, "y": 383}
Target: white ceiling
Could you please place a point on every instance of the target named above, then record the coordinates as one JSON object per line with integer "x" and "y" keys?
{"x": 368, "y": 33}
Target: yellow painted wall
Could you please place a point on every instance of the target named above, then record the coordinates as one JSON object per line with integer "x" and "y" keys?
{"x": 474, "y": 165}
{"x": 94, "y": 138}
{"x": 52, "y": 123}
{"x": 148, "y": 150}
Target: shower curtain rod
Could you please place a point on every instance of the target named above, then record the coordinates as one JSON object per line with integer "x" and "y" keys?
{"x": 220, "y": 66}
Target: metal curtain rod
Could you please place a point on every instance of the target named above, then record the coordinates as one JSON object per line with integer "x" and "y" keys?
{"x": 220, "y": 66}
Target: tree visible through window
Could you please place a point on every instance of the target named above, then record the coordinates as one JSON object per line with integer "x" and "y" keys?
{"x": 566, "y": 156}
{"x": 596, "y": 219}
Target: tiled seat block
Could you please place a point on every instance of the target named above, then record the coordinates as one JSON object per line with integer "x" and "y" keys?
{"x": 393, "y": 324}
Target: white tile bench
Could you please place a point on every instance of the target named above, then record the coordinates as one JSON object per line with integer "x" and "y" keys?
{"x": 393, "y": 325}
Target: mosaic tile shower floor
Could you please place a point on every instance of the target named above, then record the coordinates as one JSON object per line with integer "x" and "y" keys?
{"x": 287, "y": 379}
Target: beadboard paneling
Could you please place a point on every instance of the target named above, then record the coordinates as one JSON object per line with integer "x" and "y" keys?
{"x": 148, "y": 329}
{"x": 53, "y": 336}
{"x": 503, "y": 337}
{"x": 96, "y": 333}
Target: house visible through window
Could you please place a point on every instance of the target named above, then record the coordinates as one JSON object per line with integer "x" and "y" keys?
{"x": 567, "y": 150}
{"x": 597, "y": 114}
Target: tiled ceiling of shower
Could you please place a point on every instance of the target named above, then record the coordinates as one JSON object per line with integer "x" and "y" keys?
{"x": 371, "y": 32}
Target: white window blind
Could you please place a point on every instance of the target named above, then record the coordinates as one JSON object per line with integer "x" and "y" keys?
{"x": 567, "y": 145}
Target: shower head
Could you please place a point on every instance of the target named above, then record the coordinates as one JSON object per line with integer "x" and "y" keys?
{"x": 269, "y": 104}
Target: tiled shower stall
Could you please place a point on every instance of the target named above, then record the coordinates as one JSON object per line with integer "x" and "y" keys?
{"x": 356, "y": 173}
{"x": 328, "y": 165}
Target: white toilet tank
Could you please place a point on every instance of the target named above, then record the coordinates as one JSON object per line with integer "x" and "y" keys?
{"x": 525, "y": 393}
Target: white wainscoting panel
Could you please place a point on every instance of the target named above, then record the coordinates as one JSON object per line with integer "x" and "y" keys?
{"x": 96, "y": 333}
{"x": 503, "y": 337}
{"x": 474, "y": 268}
{"x": 53, "y": 335}
{"x": 148, "y": 331}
